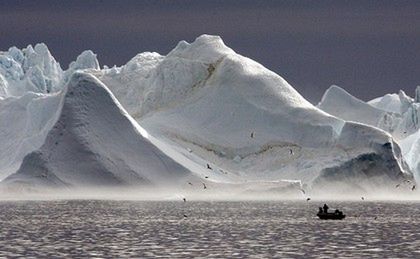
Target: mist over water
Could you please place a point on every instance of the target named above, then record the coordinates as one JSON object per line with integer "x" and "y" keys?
{"x": 252, "y": 191}
{"x": 98, "y": 228}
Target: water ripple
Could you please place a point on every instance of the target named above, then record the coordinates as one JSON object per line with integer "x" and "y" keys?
{"x": 117, "y": 229}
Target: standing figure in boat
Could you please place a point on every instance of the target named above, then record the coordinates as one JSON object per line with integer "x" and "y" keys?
{"x": 325, "y": 208}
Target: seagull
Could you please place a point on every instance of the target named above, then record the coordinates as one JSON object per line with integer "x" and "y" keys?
{"x": 252, "y": 134}
{"x": 291, "y": 151}
{"x": 185, "y": 216}
{"x": 413, "y": 188}
{"x": 375, "y": 218}
{"x": 204, "y": 186}
{"x": 185, "y": 200}
{"x": 209, "y": 167}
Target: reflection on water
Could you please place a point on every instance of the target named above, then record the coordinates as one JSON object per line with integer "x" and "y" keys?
{"x": 211, "y": 229}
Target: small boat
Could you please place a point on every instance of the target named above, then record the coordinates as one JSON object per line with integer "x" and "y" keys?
{"x": 331, "y": 215}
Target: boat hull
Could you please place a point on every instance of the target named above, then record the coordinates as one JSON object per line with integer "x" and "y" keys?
{"x": 331, "y": 216}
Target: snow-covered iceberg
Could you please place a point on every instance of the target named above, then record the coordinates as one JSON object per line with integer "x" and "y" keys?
{"x": 227, "y": 110}
{"x": 209, "y": 113}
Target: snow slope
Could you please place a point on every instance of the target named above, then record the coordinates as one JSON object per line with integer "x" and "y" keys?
{"x": 217, "y": 107}
{"x": 94, "y": 142}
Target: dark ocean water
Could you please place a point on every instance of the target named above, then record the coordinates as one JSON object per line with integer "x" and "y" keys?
{"x": 116, "y": 229}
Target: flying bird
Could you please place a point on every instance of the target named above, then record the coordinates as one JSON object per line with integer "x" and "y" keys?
{"x": 398, "y": 185}
{"x": 185, "y": 200}
{"x": 308, "y": 199}
{"x": 185, "y": 216}
{"x": 204, "y": 186}
{"x": 363, "y": 198}
{"x": 413, "y": 188}
{"x": 190, "y": 183}
{"x": 252, "y": 134}
{"x": 209, "y": 167}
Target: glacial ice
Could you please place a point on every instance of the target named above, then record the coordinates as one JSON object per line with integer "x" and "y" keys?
{"x": 200, "y": 104}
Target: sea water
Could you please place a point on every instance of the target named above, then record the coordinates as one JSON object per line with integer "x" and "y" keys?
{"x": 177, "y": 229}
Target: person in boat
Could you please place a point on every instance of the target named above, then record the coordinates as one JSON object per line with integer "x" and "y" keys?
{"x": 325, "y": 208}
{"x": 320, "y": 210}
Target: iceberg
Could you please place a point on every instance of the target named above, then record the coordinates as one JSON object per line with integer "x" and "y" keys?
{"x": 200, "y": 112}
{"x": 216, "y": 106}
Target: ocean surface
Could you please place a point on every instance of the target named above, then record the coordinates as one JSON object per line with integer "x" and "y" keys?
{"x": 118, "y": 229}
